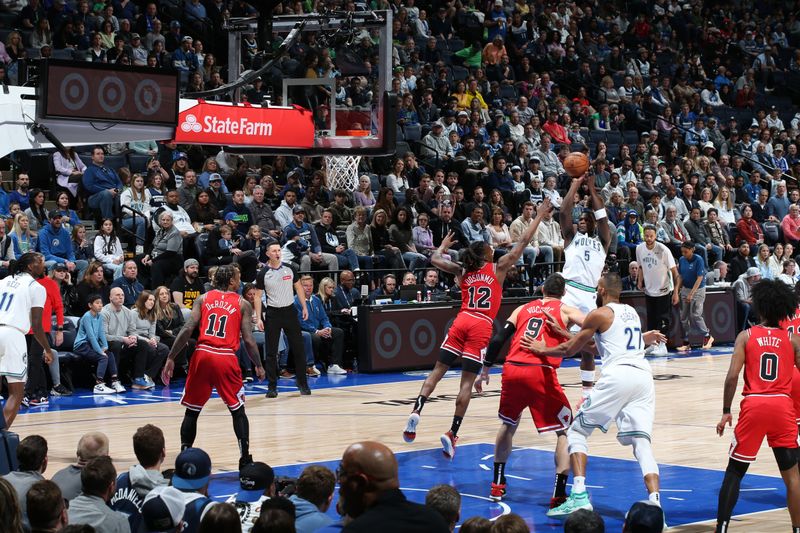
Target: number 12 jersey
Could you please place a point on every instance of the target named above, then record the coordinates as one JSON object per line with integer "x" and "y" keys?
{"x": 481, "y": 291}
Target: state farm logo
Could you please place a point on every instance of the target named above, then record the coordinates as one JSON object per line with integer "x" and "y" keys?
{"x": 191, "y": 124}
{"x": 226, "y": 126}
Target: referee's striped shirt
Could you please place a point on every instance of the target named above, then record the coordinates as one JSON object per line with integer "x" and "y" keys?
{"x": 278, "y": 284}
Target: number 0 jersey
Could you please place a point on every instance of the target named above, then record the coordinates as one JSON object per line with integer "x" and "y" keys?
{"x": 532, "y": 321}
{"x": 220, "y": 321}
{"x": 481, "y": 292}
{"x": 768, "y": 362}
{"x": 18, "y": 294}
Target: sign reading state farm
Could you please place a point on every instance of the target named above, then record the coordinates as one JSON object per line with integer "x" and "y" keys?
{"x": 245, "y": 125}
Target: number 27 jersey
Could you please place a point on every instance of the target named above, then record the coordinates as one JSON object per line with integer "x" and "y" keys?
{"x": 481, "y": 291}
{"x": 220, "y": 321}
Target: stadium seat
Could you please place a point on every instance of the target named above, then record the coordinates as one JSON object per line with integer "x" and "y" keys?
{"x": 138, "y": 162}
{"x": 413, "y": 132}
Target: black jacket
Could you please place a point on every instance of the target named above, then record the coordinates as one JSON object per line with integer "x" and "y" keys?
{"x": 440, "y": 229}
{"x": 393, "y": 513}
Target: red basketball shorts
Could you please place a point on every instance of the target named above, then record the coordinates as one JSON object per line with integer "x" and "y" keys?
{"x": 469, "y": 336}
{"x": 796, "y": 394}
{"x": 537, "y": 389}
{"x": 763, "y": 416}
{"x": 210, "y": 370}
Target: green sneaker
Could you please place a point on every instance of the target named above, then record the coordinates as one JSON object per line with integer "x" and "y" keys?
{"x": 575, "y": 502}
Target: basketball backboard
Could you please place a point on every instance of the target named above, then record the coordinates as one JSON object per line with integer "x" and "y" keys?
{"x": 354, "y": 112}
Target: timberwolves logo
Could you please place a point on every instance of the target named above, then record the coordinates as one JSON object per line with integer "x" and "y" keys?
{"x": 56, "y": 242}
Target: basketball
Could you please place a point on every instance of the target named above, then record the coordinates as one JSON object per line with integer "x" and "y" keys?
{"x": 576, "y": 164}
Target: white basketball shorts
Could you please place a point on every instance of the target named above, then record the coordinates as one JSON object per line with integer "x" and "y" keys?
{"x": 13, "y": 355}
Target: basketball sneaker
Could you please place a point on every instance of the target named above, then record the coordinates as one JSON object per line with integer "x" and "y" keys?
{"x": 410, "y": 433}
{"x": 336, "y": 369}
{"x": 36, "y": 402}
{"x": 575, "y": 502}
{"x": 497, "y": 492}
{"x": 449, "y": 444}
{"x": 140, "y": 384}
{"x": 102, "y": 388}
{"x": 117, "y": 386}
{"x": 60, "y": 390}
{"x": 555, "y": 501}
{"x": 286, "y": 374}
{"x": 312, "y": 371}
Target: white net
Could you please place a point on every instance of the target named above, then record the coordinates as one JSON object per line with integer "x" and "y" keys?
{"x": 342, "y": 171}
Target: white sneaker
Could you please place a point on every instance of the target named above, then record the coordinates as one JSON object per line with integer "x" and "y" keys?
{"x": 102, "y": 388}
{"x": 336, "y": 369}
{"x": 117, "y": 386}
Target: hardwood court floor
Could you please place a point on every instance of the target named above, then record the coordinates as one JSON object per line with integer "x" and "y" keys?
{"x": 293, "y": 429}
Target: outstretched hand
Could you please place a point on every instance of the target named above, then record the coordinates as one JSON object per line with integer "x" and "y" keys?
{"x": 447, "y": 242}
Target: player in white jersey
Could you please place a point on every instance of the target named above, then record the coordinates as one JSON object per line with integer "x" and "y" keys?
{"x": 584, "y": 259}
{"x": 21, "y": 305}
{"x": 624, "y": 393}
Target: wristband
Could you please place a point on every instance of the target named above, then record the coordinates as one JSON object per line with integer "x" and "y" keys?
{"x": 600, "y": 214}
{"x": 587, "y": 375}
{"x": 726, "y": 410}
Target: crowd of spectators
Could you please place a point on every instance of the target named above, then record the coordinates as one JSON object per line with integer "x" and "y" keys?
{"x": 91, "y": 495}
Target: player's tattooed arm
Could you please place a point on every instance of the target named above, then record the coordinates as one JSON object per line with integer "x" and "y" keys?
{"x": 438, "y": 260}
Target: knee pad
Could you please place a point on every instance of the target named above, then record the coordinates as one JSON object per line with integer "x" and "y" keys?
{"x": 644, "y": 455}
{"x": 786, "y": 458}
{"x": 577, "y": 440}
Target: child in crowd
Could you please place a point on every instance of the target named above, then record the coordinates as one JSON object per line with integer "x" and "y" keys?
{"x": 91, "y": 344}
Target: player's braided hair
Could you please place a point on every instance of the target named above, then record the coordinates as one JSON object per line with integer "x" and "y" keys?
{"x": 474, "y": 256}
{"x": 773, "y": 301}
{"x": 23, "y": 264}
{"x": 223, "y": 277}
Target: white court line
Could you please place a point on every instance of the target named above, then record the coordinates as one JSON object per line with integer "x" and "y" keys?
{"x": 484, "y": 467}
{"x": 675, "y": 490}
{"x": 519, "y": 477}
{"x": 487, "y": 457}
{"x": 429, "y": 467}
{"x": 676, "y": 499}
{"x": 736, "y": 517}
{"x": 588, "y": 486}
{"x": 758, "y": 490}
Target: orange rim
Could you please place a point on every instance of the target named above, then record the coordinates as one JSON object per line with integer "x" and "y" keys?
{"x": 353, "y": 133}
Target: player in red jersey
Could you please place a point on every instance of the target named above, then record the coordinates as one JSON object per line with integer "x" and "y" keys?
{"x": 769, "y": 356}
{"x": 792, "y": 325}
{"x": 481, "y": 284}
{"x": 214, "y": 364}
{"x": 530, "y": 381}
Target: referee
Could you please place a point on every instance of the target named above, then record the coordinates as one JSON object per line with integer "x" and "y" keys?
{"x": 278, "y": 279}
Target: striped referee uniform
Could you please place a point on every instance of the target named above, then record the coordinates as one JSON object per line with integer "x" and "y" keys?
{"x": 282, "y": 315}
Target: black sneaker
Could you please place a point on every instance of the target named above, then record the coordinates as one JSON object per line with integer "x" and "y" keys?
{"x": 272, "y": 392}
{"x": 244, "y": 461}
{"x": 248, "y": 376}
{"x": 60, "y": 390}
{"x": 305, "y": 391}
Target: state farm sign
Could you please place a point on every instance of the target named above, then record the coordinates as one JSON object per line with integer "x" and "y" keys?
{"x": 245, "y": 125}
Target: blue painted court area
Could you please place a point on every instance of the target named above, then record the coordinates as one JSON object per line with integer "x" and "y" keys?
{"x": 84, "y": 399}
{"x": 689, "y": 494}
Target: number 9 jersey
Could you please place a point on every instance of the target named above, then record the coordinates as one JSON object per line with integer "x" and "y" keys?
{"x": 220, "y": 321}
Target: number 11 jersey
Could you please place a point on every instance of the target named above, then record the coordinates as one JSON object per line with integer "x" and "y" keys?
{"x": 220, "y": 321}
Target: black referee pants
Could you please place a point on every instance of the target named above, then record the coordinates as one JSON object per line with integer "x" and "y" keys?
{"x": 284, "y": 318}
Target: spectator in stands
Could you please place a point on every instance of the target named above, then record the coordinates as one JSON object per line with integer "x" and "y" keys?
{"x": 778, "y": 205}
{"x": 68, "y": 479}
{"x": 22, "y": 238}
{"x": 741, "y": 262}
{"x": 165, "y": 253}
{"x": 136, "y": 197}
{"x": 32, "y": 458}
{"x": 129, "y": 282}
{"x": 69, "y": 171}
{"x": 203, "y": 213}
{"x": 742, "y": 291}
{"x": 187, "y": 287}
{"x": 107, "y": 248}
{"x": 144, "y": 318}
{"x": 790, "y": 225}
{"x": 120, "y": 330}
{"x": 242, "y": 215}
{"x": 312, "y": 499}
{"x": 401, "y": 236}
{"x": 629, "y": 235}
{"x": 188, "y": 190}
{"x": 329, "y": 242}
{"x": 446, "y": 500}
{"x": 717, "y": 233}
{"x": 699, "y": 233}
{"x": 46, "y": 508}
{"x": 298, "y": 228}
{"x": 749, "y": 231}
{"x": 163, "y": 509}
{"x": 363, "y": 194}
{"x": 285, "y": 212}
{"x": 387, "y": 290}
{"x": 789, "y": 275}
{"x": 192, "y": 473}
{"x": 263, "y": 215}
{"x": 319, "y": 327}
{"x": 256, "y": 487}
{"x": 534, "y": 248}
{"x": 381, "y": 243}
{"x": 20, "y": 193}
{"x": 91, "y": 345}
{"x": 98, "y": 483}
{"x": 474, "y": 228}
{"x": 93, "y": 282}
{"x": 101, "y": 183}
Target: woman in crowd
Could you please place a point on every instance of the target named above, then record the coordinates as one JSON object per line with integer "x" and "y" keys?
{"x": 23, "y": 239}
{"x": 725, "y": 207}
{"x": 14, "y": 47}
{"x": 107, "y": 35}
{"x": 203, "y": 213}
{"x": 144, "y": 318}
{"x": 93, "y": 281}
{"x": 500, "y": 235}
{"x": 42, "y": 36}
{"x": 136, "y": 197}
{"x": 271, "y": 196}
{"x": 108, "y": 248}
{"x": 81, "y": 246}
{"x": 397, "y": 180}
{"x": 381, "y": 243}
{"x": 169, "y": 321}
{"x": 63, "y": 279}
{"x": 37, "y": 214}
{"x": 156, "y": 188}
{"x": 763, "y": 260}
{"x": 359, "y": 238}
{"x": 363, "y": 195}
{"x": 423, "y": 236}
{"x": 776, "y": 261}
{"x": 789, "y": 275}
{"x": 165, "y": 256}
{"x": 209, "y": 167}
{"x": 69, "y": 171}
{"x": 706, "y": 199}
{"x": 179, "y": 168}
{"x": 256, "y": 242}
{"x": 400, "y": 235}
{"x": 496, "y": 201}
{"x": 69, "y": 218}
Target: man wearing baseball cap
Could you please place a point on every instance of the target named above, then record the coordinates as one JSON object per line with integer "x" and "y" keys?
{"x": 192, "y": 473}
{"x": 163, "y": 510}
{"x": 257, "y": 484}
{"x": 187, "y": 288}
{"x": 644, "y": 517}
{"x": 55, "y": 244}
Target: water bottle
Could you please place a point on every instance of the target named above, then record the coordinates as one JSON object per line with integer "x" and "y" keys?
{"x": 419, "y": 296}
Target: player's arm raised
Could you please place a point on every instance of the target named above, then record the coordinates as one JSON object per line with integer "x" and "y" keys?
{"x": 565, "y": 212}
{"x": 732, "y": 379}
{"x": 438, "y": 260}
{"x": 510, "y": 259}
{"x": 182, "y": 338}
{"x": 496, "y": 344}
{"x": 594, "y": 322}
{"x": 249, "y": 341}
{"x": 600, "y": 216}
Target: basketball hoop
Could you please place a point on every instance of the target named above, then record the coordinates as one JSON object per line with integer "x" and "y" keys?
{"x": 342, "y": 171}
